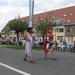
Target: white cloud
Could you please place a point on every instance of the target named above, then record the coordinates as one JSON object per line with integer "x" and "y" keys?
{"x": 10, "y": 9}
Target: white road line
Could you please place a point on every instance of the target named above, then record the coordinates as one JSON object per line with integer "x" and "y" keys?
{"x": 14, "y": 69}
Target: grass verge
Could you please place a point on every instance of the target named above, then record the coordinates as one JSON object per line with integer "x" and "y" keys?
{"x": 21, "y": 47}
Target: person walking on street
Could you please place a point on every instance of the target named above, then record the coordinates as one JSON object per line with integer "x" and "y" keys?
{"x": 29, "y": 45}
{"x": 49, "y": 44}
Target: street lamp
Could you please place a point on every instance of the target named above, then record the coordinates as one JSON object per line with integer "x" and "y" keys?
{"x": 31, "y": 11}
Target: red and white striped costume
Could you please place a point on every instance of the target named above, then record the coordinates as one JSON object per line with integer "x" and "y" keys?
{"x": 46, "y": 43}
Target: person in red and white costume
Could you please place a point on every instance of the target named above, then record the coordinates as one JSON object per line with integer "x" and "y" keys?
{"x": 49, "y": 43}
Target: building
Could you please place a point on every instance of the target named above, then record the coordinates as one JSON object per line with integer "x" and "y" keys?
{"x": 65, "y": 20}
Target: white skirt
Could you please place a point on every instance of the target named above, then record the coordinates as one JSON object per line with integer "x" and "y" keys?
{"x": 52, "y": 47}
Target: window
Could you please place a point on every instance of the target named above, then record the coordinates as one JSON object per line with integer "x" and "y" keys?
{"x": 69, "y": 29}
{"x": 59, "y": 23}
{"x": 53, "y": 23}
{"x": 71, "y": 14}
{"x": 60, "y": 37}
{"x": 41, "y": 18}
{"x": 14, "y": 38}
{"x": 53, "y": 16}
{"x": 60, "y": 29}
{"x": 10, "y": 37}
{"x": 70, "y": 39}
{"x": 62, "y": 22}
{"x": 68, "y": 20}
{"x": 14, "y": 32}
{"x": 64, "y": 15}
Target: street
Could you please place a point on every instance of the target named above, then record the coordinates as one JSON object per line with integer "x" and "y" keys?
{"x": 12, "y": 63}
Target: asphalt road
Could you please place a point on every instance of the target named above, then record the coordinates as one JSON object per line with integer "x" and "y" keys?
{"x": 12, "y": 63}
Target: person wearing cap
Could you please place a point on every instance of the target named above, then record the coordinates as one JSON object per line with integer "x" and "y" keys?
{"x": 29, "y": 45}
{"x": 49, "y": 43}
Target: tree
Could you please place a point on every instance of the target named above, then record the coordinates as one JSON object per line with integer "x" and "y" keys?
{"x": 0, "y": 35}
{"x": 18, "y": 25}
{"x": 43, "y": 24}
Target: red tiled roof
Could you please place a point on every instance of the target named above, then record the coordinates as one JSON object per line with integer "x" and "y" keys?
{"x": 68, "y": 14}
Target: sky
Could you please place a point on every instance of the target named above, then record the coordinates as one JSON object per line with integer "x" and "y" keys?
{"x": 10, "y": 9}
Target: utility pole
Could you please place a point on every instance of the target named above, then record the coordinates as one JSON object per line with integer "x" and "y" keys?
{"x": 31, "y": 11}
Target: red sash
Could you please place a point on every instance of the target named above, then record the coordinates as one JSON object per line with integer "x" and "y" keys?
{"x": 45, "y": 41}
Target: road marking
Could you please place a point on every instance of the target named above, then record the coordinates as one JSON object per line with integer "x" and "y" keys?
{"x": 14, "y": 69}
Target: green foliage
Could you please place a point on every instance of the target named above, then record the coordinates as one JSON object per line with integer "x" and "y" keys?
{"x": 44, "y": 23}
{"x": 15, "y": 47}
{"x": 17, "y": 25}
{"x": 22, "y": 47}
{"x": 0, "y": 35}
{"x": 40, "y": 47}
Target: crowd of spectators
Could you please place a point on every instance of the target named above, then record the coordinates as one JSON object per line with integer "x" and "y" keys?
{"x": 63, "y": 45}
